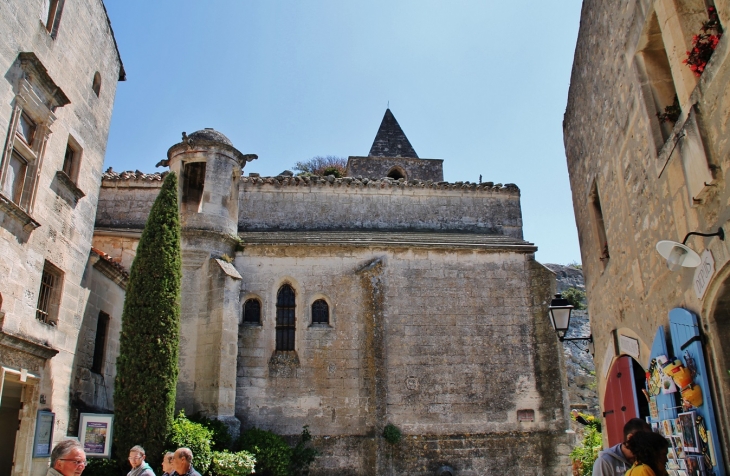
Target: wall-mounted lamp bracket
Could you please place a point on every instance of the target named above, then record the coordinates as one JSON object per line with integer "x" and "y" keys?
{"x": 720, "y": 233}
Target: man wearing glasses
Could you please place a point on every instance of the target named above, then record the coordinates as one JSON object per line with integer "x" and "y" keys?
{"x": 139, "y": 466}
{"x": 67, "y": 459}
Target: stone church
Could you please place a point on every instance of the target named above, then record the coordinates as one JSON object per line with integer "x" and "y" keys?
{"x": 388, "y": 296}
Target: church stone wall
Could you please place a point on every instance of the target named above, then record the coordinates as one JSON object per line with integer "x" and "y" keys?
{"x": 294, "y": 203}
{"x": 443, "y": 344}
{"x": 126, "y": 199}
{"x": 282, "y": 203}
{"x": 379, "y": 167}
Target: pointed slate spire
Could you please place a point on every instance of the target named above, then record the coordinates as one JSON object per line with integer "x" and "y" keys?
{"x": 390, "y": 140}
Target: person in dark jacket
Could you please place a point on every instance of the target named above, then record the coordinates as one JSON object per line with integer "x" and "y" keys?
{"x": 182, "y": 462}
{"x": 616, "y": 460}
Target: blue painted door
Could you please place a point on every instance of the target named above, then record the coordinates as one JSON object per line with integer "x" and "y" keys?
{"x": 666, "y": 402}
{"x": 686, "y": 337}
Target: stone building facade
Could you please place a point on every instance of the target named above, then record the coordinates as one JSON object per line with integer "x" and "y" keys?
{"x": 60, "y": 68}
{"x": 347, "y": 304}
{"x": 636, "y": 180}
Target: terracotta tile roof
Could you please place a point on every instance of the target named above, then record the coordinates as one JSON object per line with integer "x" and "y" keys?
{"x": 110, "y": 174}
{"x": 111, "y": 261}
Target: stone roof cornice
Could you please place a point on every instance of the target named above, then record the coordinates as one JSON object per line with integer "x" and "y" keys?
{"x": 387, "y": 239}
{"x": 352, "y": 182}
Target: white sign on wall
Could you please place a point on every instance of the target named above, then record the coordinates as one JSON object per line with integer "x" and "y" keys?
{"x": 608, "y": 357}
{"x": 703, "y": 273}
{"x": 628, "y": 345}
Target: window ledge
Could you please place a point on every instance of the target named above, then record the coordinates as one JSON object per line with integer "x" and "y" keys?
{"x": 252, "y": 324}
{"x": 69, "y": 184}
{"x": 320, "y": 325}
{"x": 7, "y": 205}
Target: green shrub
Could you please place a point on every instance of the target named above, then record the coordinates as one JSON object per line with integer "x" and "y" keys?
{"x": 144, "y": 389}
{"x": 302, "y": 455}
{"x": 232, "y": 464}
{"x": 221, "y": 437}
{"x": 585, "y": 454}
{"x": 392, "y": 434}
{"x": 197, "y": 437}
{"x": 272, "y": 453}
{"x": 103, "y": 467}
{"x": 334, "y": 171}
{"x": 575, "y": 297}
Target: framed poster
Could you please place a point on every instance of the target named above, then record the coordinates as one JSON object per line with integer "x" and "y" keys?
{"x": 95, "y": 434}
{"x": 43, "y": 439}
{"x": 689, "y": 432}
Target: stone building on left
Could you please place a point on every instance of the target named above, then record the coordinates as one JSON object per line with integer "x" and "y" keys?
{"x": 60, "y": 66}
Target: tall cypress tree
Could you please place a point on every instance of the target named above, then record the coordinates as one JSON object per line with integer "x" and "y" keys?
{"x": 147, "y": 367}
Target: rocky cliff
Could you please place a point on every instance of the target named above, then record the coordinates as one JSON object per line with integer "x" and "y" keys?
{"x": 582, "y": 392}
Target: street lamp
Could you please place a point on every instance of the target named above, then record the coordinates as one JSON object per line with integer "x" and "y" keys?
{"x": 679, "y": 255}
{"x": 559, "y": 313}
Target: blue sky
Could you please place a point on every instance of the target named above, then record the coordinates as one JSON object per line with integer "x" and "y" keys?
{"x": 480, "y": 84}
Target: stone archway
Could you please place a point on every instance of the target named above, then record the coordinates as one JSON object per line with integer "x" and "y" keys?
{"x": 397, "y": 173}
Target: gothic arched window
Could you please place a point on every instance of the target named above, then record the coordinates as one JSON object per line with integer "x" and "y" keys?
{"x": 252, "y": 311}
{"x": 285, "y": 318}
{"x": 320, "y": 312}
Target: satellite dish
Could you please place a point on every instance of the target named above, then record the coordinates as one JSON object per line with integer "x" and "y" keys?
{"x": 678, "y": 255}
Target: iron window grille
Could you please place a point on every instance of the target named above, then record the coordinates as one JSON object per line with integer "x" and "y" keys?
{"x": 285, "y": 318}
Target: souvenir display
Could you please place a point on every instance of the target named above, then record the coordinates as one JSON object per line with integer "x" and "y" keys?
{"x": 690, "y": 362}
{"x": 668, "y": 385}
{"x": 654, "y": 378}
{"x": 689, "y": 432}
{"x": 653, "y": 409}
{"x": 678, "y": 373}
{"x": 692, "y": 396}
{"x": 672, "y": 461}
{"x": 666, "y": 428}
{"x": 693, "y": 466}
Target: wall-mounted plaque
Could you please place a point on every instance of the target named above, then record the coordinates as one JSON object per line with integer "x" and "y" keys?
{"x": 628, "y": 345}
{"x": 43, "y": 439}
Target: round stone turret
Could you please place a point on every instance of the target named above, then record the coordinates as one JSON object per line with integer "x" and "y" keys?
{"x": 210, "y": 134}
{"x": 209, "y": 169}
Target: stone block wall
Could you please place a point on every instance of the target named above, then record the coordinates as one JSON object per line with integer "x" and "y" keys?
{"x": 294, "y": 203}
{"x": 126, "y": 199}
{"x": 413, "y": 169}
{"x": 93, "y": 392}
{"x": 443, "y": 344}
{"x": 82, "y": 46}
{"x": 645, "y": 173}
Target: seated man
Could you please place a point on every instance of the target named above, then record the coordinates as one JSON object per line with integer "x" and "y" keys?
{"x": 67, "y": 459}
{"x": 182, "y": 463}
{"x": 616, "y": 460}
